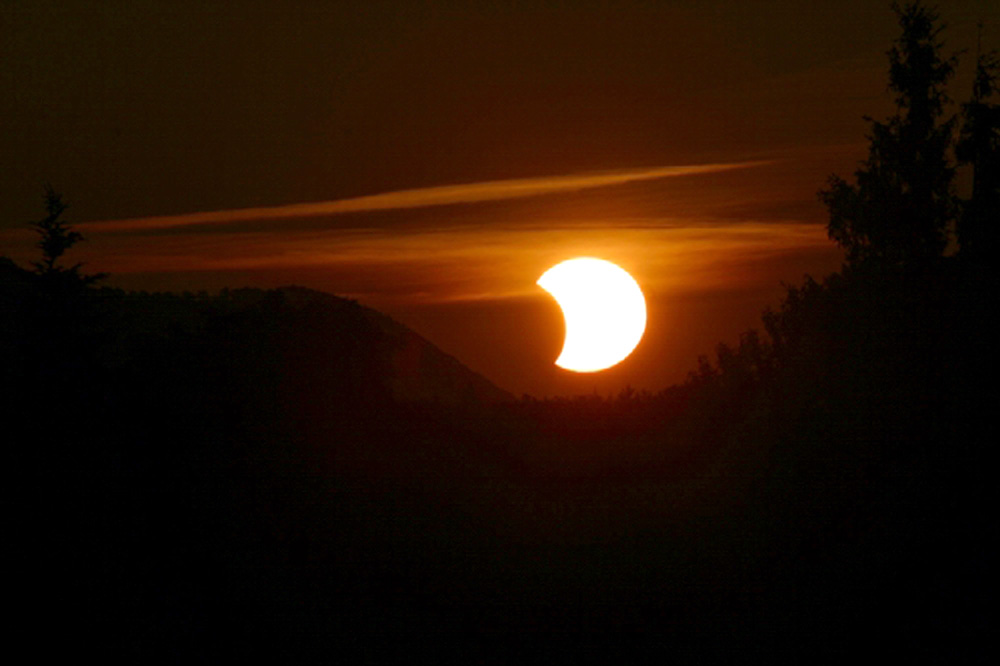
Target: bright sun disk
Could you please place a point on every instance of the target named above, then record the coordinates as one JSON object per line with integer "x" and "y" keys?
{"x": 604, "y": 309}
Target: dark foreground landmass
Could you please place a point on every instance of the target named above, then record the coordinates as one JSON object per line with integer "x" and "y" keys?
{"x": 203, "y": 478}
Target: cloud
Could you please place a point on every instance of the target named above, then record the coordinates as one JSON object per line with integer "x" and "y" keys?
{"x": 493, "y": 190}
{"x": 480, "y": 263}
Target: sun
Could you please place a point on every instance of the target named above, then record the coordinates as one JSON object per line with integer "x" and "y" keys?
{"x": 604, "y": 309}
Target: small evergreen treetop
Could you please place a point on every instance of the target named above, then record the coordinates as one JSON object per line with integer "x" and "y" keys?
{"x": 56, "y": 234}
{"x": 56, "y": 238}
{"x": 899, "y": 210}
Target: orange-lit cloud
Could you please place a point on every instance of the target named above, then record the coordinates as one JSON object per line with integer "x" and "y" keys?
{"x": 494, "y": 190}
{"x": 440, "y": 265}
{"x": 681, "y": 239}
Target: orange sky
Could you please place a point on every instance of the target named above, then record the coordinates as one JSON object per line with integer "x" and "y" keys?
{"x": 459, "y": 263}
{"x": 433, "y": 159}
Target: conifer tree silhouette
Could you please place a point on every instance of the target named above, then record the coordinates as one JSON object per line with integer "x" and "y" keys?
{"x": 57, "y": 237}
{"x": 899, "y": 210}
{"x": 979, "y": 147}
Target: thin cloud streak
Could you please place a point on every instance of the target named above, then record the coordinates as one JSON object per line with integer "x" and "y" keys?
{"x": 494, "y": 190}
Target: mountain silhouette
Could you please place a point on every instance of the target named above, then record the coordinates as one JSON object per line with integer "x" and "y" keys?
{"x": 417, "y": 370}
{"x": 314, "y": 340}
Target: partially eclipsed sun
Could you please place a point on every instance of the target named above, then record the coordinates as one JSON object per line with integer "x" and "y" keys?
{"x": 604, "y": 309}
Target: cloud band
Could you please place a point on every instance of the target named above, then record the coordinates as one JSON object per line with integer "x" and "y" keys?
{"x": 495, "y": 190}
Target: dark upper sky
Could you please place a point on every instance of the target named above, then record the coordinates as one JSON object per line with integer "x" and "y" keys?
{"x": 135, "y": 109}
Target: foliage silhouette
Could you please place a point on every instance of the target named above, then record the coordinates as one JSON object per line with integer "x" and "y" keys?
{"x": 238, "y": 468}
{"x": 899, "y": 210}
{"x": 979, "y": 147}
{"x": 56, "y": 238}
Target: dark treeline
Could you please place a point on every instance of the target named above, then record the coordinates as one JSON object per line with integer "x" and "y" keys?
{"x": 200, "y": 477}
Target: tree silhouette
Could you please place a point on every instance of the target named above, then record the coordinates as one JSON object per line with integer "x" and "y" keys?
{"x": 899, "y": 210}
{"x": 979, "y": 146}
{"x": 56, "y": 238}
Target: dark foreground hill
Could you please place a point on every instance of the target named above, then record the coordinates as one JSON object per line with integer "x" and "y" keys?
{"x": 300, "y": 329}
{"x": 210, "y": 478}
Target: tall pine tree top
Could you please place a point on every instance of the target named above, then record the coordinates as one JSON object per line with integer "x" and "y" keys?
{"x": 979, "y": 147}
{"x": 900, "y": 208}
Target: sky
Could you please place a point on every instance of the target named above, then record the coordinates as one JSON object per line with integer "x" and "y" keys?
{"x": 432, "y": 159}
